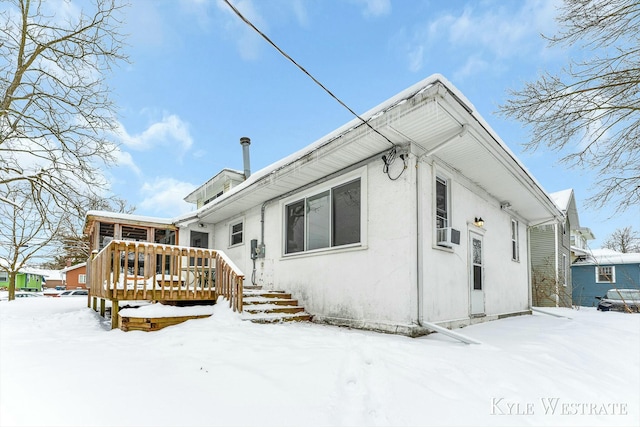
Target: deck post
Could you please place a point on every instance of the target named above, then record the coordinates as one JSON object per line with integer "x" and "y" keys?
{"x": 102, "y": 304}
{"x": 94, "y": 303}
{"x": 115, "y": 308}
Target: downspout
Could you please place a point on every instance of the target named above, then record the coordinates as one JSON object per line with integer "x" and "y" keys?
{"x": 420, "y": 272}
{"x": 419, "y": 266}
{"x": 555, "y": 262}
{"x": 529, "y": 266}
{"x": 262, "y": 209}
{"x": 464, "y": 128}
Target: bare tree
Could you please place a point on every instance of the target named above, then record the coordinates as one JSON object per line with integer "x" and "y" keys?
{"x": 23, "y": 233}
{"x": 550, "y": 289}
{"x": 72, "y": 242}
{"x": 623, "y": 240}
{"x": 590, "y": 110}
{"x": 55, "y": 112}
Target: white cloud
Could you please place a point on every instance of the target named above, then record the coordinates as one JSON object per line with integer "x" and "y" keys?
{"x": 125, "y": 159}
{"x": 145, "y": 25}
{"x": 375, "y": 8}
{"x": 416, "y": 58}
{"x": 248, "y": 41}
{"x": 492, "y": 33}
{"x": 163, "y": 197}
{"x": 474, "y": 65}
{"x": 170, "y": 137}
{"x": 167, "y": 132}
{"x": 300, "y": 12}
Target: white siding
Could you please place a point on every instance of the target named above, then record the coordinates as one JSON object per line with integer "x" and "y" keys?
{"x": 446, "y": 272}
{"x": 376, "y": 284}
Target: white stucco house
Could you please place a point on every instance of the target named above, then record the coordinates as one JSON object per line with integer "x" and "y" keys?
{"x": 420, "y": 215}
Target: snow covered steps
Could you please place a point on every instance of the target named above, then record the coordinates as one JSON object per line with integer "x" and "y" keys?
{"x": 271, "y": 306}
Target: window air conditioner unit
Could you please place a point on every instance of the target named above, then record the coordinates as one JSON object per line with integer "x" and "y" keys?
{"x": 448, "y": 237}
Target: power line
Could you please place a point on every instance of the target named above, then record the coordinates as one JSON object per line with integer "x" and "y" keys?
{"x": 283, "y": 53}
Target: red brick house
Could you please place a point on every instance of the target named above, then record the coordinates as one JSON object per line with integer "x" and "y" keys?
{"x": 75, "y": 276}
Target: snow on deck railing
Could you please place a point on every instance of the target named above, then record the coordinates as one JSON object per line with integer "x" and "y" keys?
{"x": 125, "y": 270}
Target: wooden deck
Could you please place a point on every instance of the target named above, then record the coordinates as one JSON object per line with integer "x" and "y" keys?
{"x": 130, "y": 271}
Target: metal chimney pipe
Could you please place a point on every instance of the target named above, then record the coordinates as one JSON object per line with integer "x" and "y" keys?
{"x": 245, "y": 142}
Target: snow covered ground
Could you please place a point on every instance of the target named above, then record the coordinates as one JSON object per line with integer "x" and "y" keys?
{"x": 60, "y": 365}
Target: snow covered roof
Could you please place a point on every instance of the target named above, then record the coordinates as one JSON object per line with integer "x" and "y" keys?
{"x": 73, "y": 267}
{"x": 30, "y": 270}
{"x": 562, "y": 198}
{"x": 53, "y": 274}
{"x": 433, "y": 115}
{"x": 427, "y": 113}
{"x": 224, "y": 173}
{"x": 145, "y": 221}
{"x": 131, "y": 217}
{"x": 609, "y": 256}
{"x": 566, "y": 202}
{"x": 34, "y": 271}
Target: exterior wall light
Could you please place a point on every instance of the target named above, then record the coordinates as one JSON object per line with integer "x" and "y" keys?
{"x": 478, "y": 222}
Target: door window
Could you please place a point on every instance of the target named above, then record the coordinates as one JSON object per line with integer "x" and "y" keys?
{"x": 477, "y": 263}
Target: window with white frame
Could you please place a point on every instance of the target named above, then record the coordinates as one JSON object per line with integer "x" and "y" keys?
{"x": 515, "y": 245}
{"x": 326, "y": 219}
{"x": 236, "y": 232}
{"x": 82, "y": 278}
{"x": 565, "y": 270}
{"x": 442, "y": 202}
{"x": 4, "y": 276}
{"x": 605, "y": 274}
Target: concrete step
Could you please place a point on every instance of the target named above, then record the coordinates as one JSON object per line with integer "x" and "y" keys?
{"x": 265, "y": 294}
{"x": 262, "y": 300}
{"x": 273, "y": 308}
{"x": 278, "y": 317}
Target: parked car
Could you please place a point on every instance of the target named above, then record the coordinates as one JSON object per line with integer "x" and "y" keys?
{"x": 27, "y": 294}
{"x": 75, "y": 293}
{"x": 620, "y": 300}
{"x": 4, "y": 296}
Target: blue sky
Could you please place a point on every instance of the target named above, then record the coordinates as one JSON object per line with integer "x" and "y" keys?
{"x": 199, "y": 79}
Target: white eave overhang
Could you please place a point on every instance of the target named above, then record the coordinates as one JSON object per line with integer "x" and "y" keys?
{"x": 424, "y": 115}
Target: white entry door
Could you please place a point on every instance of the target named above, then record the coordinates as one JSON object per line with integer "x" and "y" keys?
{"x": 476, "y": 274}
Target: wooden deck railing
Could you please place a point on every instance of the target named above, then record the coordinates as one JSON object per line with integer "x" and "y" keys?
{"x": 125, "y": 270}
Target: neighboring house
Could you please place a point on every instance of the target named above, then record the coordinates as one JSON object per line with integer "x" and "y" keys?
{"x": 580, "y": 242}
{"x": 552, "y": 254}
{"x": 75, "y": 276}
{"x": 26, "y": 280}
{"x": 601, "y": 270}
{"x": 53, "y": 279}
{"x": 420, "y": 215}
